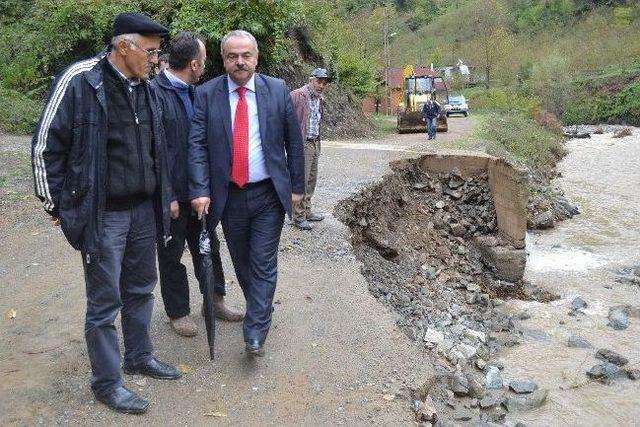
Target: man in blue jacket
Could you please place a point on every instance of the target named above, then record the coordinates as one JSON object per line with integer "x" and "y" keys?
{"x": 246, "y": 169}
{"x": 100, "y": 167}
{"x": 174, "y": 86}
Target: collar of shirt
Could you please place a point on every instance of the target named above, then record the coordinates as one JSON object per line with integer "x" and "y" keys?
{"x": 131, "y": 82}
{"x": 175, "y": 80}
{"x": 251, "y": 84}
{"x": 312, "y": 93}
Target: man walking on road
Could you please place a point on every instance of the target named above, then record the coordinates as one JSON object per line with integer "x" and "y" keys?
{"x": 100, "y": 167}
{"x": 175, "y": 90}
{"x": 309, "y": 105}
{"x": 430, "y": 111}
{"x": 246, "y": 159}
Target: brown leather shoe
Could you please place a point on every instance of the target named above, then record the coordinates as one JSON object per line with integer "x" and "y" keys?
{"x": 222, "y": 312}
{"x": 184, "y": 326}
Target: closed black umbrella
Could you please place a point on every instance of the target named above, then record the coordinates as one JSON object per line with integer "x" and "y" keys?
{"x": 207, "y": 280}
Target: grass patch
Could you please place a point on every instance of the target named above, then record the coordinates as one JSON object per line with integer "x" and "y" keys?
{"x": 385, "y": 124}
{"x": 18, "y": 113}
{"x": 516, "y": 135}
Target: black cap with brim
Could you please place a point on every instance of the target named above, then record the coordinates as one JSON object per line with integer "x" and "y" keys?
{"x": 137, "y": 23}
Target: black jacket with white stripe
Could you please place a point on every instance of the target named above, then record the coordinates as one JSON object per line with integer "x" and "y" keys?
{"x": 69, "y": 155}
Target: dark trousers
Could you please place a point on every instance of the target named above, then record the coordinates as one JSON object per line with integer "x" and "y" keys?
{"x": 121, "y": 279}
{"x": 252, "y": 222}
{"x": 174, "y": 284}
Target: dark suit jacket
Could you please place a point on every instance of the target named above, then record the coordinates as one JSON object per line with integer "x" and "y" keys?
{"x": 211, "y": 140}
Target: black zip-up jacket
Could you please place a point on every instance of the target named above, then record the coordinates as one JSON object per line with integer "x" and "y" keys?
{"x": 69, "y": 156}
{"x": 176, "y": 128}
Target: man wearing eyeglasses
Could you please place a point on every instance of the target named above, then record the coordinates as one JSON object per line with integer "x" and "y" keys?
{"x": 100, "y": 167}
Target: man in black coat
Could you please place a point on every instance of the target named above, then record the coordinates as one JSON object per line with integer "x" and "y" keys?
{"x": 246, "y": 160}
{"x": 100, "y": 167}
{"x": 175, "y": 90}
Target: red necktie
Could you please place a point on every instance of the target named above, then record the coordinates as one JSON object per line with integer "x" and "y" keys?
{"x": 240, "y": 163}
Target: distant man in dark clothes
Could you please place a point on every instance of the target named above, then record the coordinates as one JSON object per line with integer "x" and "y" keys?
{"x": 100, "y": 167}
{"x": 175, "y": 90}
{"x": 430, "y": 111}
{"x": 309, "y": 105}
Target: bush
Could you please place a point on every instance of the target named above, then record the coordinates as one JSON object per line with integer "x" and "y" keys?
{"x": 498, "y": 99}
{"x": 19, "y": 113}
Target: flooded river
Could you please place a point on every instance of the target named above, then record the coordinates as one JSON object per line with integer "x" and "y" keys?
{"x": 582, "y": 257}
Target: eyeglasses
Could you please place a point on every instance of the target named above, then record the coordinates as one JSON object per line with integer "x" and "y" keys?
{"x": 149, "y": 52}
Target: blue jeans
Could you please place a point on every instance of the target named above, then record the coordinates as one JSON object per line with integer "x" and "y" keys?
{"x": 431, "y": 127}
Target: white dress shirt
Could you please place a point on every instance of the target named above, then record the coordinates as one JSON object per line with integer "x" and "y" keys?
{"x": 257, "y": 166}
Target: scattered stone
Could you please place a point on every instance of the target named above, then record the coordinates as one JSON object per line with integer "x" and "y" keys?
{"x": 618, "y": 319}
{"x": 621, "y": 133}
{"x": 611, "y": 357}
{"x": 462, "y": 414}
{"x": 543, "y": 221}
{"x": 458, "y": 229}
{"x": 420, "y": 186}
{"x": 578, "y": 304}
{"x": 523, "y": 387}
{"x": 476, "y": 389}
{"x": 433, "y": 336}
{"x": 440, "y": 204}
{"x": 489, "y": 401}
{"x": 493, "y": 379}
{"x": 468, "y": 351}
{"x": 475, "y": 336}
{"x": 633, "y": 374}
{"x": 459, "y": 384}
{"x": 526, "y": 403}
{"x": 606, "y": 373}
{"x": 578, "y": 342}
{"x": 427, "y": 411}
{"x": 536, "y": 334}
{"x": 481, "y": 363}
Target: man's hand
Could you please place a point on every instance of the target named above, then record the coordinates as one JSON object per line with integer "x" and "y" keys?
{"x": 55, "y": 220}
{"x": 175, "y": 210}
{"x": 201, "y": 206}
{"x": 296, "y": 198}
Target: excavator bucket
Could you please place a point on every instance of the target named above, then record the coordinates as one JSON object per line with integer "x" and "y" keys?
{"x": 411, "y": 122}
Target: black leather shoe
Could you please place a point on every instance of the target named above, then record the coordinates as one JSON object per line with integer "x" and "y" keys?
{"x": 124, "y": 400}
{"x": 154, "y": 369}
{"x": 254, "y": 348}
{"x": 315, "y": 216}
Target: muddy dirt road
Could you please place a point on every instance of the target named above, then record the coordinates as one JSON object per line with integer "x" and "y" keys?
{"x": 334, "y": 355}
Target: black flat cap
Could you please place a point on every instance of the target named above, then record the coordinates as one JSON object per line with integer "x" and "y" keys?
{"x": 320, "y": 73}
{"x": 136, "y": 23}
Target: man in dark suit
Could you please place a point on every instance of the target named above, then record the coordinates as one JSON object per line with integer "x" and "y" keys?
{"x": 246, "y": 159}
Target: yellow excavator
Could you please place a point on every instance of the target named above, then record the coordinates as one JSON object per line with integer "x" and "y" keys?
{"x": 416, "y": 91}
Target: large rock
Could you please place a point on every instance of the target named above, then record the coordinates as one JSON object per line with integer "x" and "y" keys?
{"x": 578, "y": 342}
{"x": 493, "y": 379}
{"x": 526, "y": 403}
{"x": 523, "y": 387}
{"x": 618, "y": 318}
{"x": 506, "y": 262}
{"x": 606, "y": 373}
{"x": 611, "y": 357}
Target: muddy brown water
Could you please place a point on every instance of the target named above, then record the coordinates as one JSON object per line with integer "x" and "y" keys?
{"x": 580, "y": 257}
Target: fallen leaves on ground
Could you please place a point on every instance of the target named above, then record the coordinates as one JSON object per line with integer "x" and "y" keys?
{"x": 216, "y": 414}
{"x": 11, "y": 314}
{"x": 185, "y": 369}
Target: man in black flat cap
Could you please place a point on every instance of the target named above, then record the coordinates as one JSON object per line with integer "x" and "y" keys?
{"x": 309, "y": 106}
{"x": 100, "y": 168}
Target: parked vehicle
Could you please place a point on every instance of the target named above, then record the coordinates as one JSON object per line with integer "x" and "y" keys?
{"x": 456, "y": 105}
